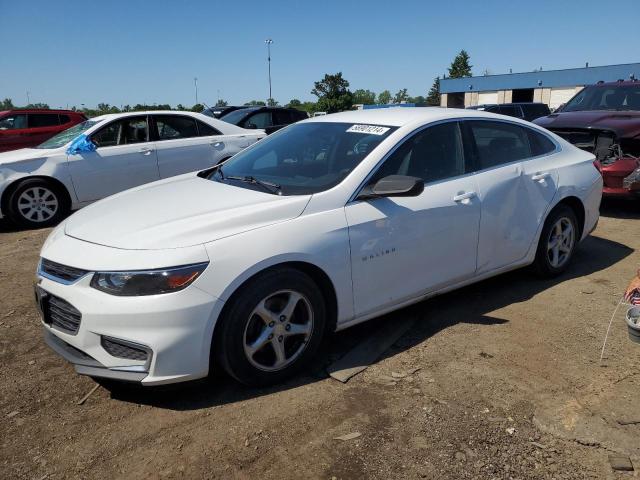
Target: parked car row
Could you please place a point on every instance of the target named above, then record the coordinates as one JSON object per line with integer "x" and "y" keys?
{"x": 29, "y": 128}
{"x": 108, "y": 154}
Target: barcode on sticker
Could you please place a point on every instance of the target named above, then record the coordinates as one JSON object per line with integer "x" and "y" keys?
{"x": 369, "y": 129}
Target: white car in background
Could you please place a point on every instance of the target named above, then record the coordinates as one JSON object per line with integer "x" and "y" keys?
{"x": 322, "y": 225}
{"x": 108, "y": 154}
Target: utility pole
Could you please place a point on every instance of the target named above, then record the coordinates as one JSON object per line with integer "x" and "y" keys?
{"x": 28, "y": 98}
{"x": 195, "y": 84}
{"x": 268, "y": 41}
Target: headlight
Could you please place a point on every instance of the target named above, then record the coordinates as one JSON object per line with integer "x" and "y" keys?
{"x": 147, "y": 282}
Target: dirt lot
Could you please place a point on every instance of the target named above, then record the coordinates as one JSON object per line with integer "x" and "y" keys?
{"x": 509, "y": 385}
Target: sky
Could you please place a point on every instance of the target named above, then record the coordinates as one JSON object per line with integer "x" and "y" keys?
{"x": 67, "y": 53}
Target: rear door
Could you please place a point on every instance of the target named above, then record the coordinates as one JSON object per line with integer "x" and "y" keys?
{"x": 42, "y": 126}
{"x": 185, "y": 144}
{"x": 125, "y": 158}
{"x": 515, "y": 186}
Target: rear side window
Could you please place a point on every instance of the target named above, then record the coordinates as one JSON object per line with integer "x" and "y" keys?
{"x": 510, "y": 110}
{"x": 540, "y": 144}
{"x": 531, "y": 112}
{"x": 64, "y": 119}
{"x": 205, "y": 130}
{"x": 282, "y": 117}
{"x": 13, "y": 122}
{"x": 171, "y": 127}
{"x": 498, "y": 143}
{"x": 38, "y": 120}
{"x": 259, "y": 120}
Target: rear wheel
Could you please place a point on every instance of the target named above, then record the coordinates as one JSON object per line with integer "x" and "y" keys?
{"x": 557, "y": 242}
{"x": 272, "y": 328}
{"x": 36, "y": 203}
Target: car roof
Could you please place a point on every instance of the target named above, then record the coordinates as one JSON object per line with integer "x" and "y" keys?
{"x": 109, "y": 116}
{"x": 619, "y": 83}
{"x": 400, "y": 116}
{"x": 40, "y": 110}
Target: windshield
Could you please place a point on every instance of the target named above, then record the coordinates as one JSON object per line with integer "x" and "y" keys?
{"x": 608, "y": 97}
{"x": 235, "y": 117}
{"x": 304, "y": 158}
{"x": 67, "y": 135}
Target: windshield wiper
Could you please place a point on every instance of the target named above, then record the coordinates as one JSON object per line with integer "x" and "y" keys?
{"x": 270, "y": 187}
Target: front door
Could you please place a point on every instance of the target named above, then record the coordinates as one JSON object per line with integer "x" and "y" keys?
{"x": 124, "y": 158}
{"x": 403, "y": 247}
{"x": 516, "y": 184}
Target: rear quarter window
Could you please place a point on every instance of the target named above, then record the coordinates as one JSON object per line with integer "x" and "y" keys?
{"x": 540, "y": 144}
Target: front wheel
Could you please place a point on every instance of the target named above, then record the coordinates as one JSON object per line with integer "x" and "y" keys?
{"x": 557, "y": 242}
{"x": 36, "y": 203}
{"x": 272, "y": 328}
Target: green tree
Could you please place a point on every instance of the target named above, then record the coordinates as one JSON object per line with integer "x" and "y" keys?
{"x": 221, "y": 103}
{"x": 255, "y": 103}
{"x": 433, "y": 97}
{"x": 181, "y": 107}
{"x": 418, "y": 99}
{"x": 271, "y": 102}
{"x": 384, "y": 97}
{"x": 6, "y": 104}
{"x": 198, "y": 107}
{"x": 365, "y": 97}
{"x": 333, "y": 93}
{"x": 401, "y": 96}
{"x": 460, "y": 67}
{"x": 43, "y": 106}
{"x": 294, "y": 103}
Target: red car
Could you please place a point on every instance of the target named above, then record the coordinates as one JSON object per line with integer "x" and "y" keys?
{"x": 605, "y": 119}
{"x": 29, "y": 128}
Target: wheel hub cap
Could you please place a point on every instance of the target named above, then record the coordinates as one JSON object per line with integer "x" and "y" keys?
{"x": 37, "y": 204}
{"x": 278, "y": 330}
{"x": 560, "y": 242}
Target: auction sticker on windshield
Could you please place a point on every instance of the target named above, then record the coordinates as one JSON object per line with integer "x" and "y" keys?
{"x": 368, "y": 129}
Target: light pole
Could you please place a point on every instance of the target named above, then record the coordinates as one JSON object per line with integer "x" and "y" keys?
{"x": 268, "y": 41}
{"x": 195, "y": 84}
{"x": 28, "y": 98}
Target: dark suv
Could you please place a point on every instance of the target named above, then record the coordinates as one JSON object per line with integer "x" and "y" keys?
{"x": 526, "y": 110}
{"x": 604, "y": 119}
{"x": 29, "y": 128}
{"x": 217, "y": 112}
{"x": 269, "y": 119}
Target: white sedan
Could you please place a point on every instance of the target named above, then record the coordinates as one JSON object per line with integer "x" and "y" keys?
{"x": 322, "y": 225}
{"x": 108, "y": 154}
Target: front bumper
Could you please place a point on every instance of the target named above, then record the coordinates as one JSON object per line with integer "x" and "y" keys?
{"x": 175, "y": 329}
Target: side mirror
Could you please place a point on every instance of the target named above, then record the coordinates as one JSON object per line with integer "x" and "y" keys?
{"x": 394, "y": 186}
{"x": 80, "y": 145}
{"x": 252, "y": 126}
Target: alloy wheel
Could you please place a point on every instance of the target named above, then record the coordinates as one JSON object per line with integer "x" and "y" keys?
{"x": 278, "y": 330}
{"x": 38, "y": 204}
{"x": 560, "y": 242}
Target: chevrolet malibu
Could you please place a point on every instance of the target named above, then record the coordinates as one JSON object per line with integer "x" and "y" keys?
{"x": 325, "y": 224}
{"x": 108, "y": 154}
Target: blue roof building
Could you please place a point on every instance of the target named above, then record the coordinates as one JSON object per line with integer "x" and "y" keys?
{"x": 552, "y": 87}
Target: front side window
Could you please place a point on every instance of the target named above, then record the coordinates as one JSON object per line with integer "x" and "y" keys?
{"x": 69, "y": 134}
{"x": 259, "y": 120}
{"x": 38, "y": 120}
{"x": 122, "y": 132}
{"x": 498, "y": 143}
{"x": 13, "y": 122}
{"x": 432, "y": 154}
{"x": 171, "y": 127}
{"x": 305, "y": 158}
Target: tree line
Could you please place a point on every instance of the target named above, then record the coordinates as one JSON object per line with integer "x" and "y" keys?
{"x": 332, "y": 91}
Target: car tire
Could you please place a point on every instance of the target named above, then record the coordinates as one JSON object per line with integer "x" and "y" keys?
{"x": 36, "y": 203}
{"x": 557, "y": 243}
{"x": 271, "y": 328}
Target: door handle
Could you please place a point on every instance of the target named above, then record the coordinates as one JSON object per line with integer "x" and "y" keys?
{"x": 538, "y": 177}
{"x": 146, "y": 150}
{"x": 461, "y": 197}
{"x": 217, "y": 145}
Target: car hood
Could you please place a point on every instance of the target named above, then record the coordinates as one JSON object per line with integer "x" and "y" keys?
{"x": 24, "y": 155}
{"x": 623, "y": 124}
{"x": 179, "y": 212}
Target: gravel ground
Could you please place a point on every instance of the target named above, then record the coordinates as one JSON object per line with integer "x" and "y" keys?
{"x": 500, "y": 380}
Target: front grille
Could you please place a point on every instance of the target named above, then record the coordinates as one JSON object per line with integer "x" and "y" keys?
{"x": 122, "y": 350}
{"x": 61, "y": 272}
{"x": 60, "y": 314}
